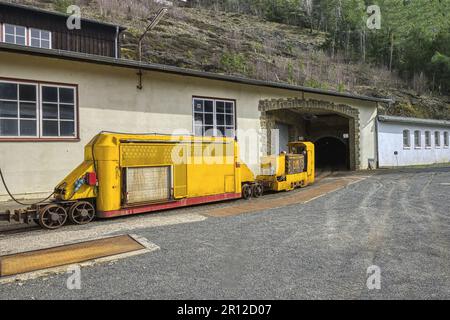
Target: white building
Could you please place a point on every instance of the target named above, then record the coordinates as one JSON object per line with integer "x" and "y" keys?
{"x": 411, "y": 141}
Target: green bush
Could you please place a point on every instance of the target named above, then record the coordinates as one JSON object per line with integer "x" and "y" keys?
{"x": 233, "y": 62}
{"x": 62, "y": 5}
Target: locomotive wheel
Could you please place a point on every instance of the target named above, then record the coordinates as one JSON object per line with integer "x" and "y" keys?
{"x": 258, "y": 190}
{"x": 52, "y": 217}
{"x": 246, "y": 192}
{"x": 81, "y": 213}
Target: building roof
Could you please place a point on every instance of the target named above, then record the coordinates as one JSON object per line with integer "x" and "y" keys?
{"x": 56, "y": 14}
{"x": 430, "y": 122}
{"x": 69, "y": 55}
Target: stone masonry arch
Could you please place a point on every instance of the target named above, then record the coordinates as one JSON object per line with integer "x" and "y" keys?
{"x": 268, "y": 122}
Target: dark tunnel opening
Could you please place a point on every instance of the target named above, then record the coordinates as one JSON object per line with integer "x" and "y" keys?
{"x": 332, "y": 153}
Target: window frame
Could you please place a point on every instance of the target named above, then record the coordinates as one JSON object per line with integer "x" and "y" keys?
{"x": 19, "y": 101}
{"x": 40, "y": 38}
{"x": 407, "y": 146}
{"x": 3, "y": 35}
{"x": 418, "y": 144}
{"x": 437, "y": 139}
{"x": 39, "y": 137}
{"x": 214, "y": 113}
{"x": 58, "y": 103}
{"x": 428, "y": 139}
{"x": 446, "y": 143}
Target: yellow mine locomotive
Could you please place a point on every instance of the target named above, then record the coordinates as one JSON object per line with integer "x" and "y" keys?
{"x": 288, "y": 171}
{"x": 125, "y": 174}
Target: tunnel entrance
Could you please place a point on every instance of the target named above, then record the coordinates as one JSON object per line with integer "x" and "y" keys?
{"x": 333, "y": 128}
{"x": 332, "y": 154}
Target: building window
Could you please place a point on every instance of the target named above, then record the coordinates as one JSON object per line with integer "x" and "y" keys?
{"x": 213, "y": 117}
{"x": 32, "y": 110}
{"x": 427, "y": 139}
{"x": 446, "y": 140}
{"x": 18, "y": 110}
{"x": 417, "y": 139}
{"x": 406, "y": 139}
{"x": 40, "y": 38}
{"x": 14, "y": 34}
{"x": 58, "y": 111}
{"x": 437, "y": 139}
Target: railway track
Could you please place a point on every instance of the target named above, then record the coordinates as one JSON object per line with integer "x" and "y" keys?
{"x": 18, "y": 229}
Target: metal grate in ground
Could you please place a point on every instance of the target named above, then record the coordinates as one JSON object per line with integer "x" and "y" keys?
{"x": 65, "y": 255}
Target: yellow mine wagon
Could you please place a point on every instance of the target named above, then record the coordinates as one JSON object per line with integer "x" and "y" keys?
{"x": 125, "y": 174}
{"x": 147, "y": 173}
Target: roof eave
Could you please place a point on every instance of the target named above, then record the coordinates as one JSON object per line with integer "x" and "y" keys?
{"x": 413, "y": 121}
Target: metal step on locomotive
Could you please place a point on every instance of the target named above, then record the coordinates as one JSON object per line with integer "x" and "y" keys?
{"x": 126, "y": 174}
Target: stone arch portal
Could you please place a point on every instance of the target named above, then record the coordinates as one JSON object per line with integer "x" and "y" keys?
{"x": 290, "y": 111}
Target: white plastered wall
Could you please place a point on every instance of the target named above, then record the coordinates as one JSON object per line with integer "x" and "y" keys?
{"x": 390, "y": 140}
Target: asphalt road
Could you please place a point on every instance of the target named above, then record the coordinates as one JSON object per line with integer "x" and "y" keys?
{"x": 398, "y": 221}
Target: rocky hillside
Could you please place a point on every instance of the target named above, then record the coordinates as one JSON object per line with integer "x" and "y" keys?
{"x": 238, "y": 44}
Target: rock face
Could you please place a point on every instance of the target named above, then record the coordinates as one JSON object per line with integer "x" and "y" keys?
{"x": 237, "y": 44}
{"x": 410, "y": 104}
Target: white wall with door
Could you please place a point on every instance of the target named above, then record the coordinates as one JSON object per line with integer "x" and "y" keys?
{"x": 283, "y": 137}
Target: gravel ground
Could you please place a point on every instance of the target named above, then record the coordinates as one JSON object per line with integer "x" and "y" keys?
{"x": 396, "y": 220}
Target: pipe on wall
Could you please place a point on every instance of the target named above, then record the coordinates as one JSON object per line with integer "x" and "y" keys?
{"x": 117, "y": 42}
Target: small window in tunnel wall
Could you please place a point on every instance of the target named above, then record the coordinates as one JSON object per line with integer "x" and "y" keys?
{"x": 406, "y": 139}
{"x": 446, "y": 140}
